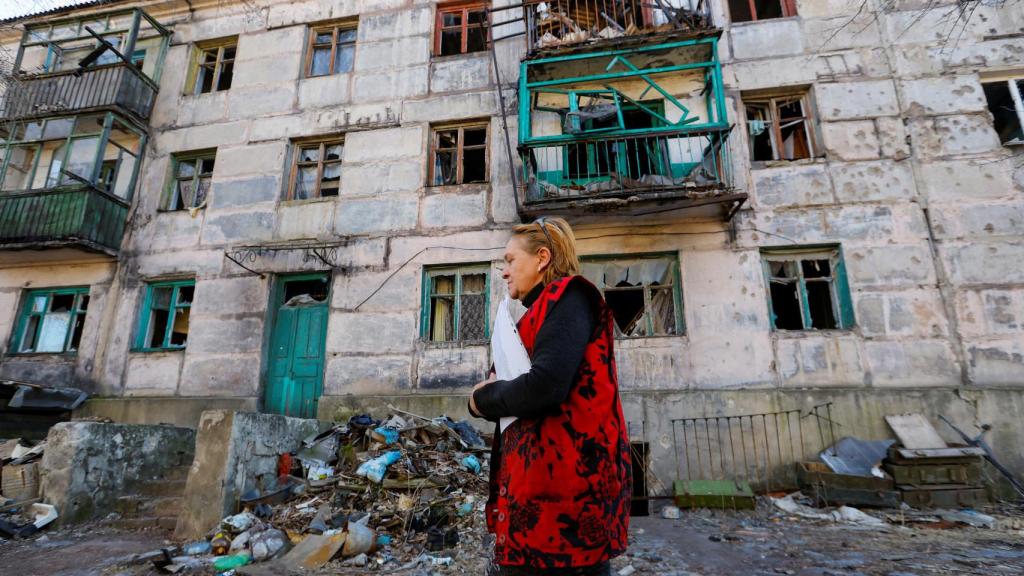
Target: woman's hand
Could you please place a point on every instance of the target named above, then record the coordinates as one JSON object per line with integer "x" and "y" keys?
{"x": 479, "y": 385}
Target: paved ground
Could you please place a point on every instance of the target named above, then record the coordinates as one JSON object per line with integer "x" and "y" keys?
{"x": 762, "y": 542}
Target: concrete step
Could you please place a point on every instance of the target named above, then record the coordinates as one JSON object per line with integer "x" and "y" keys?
{"x": 127, "y": 505}
{"x": 166, "y": 506}
{"x": 161, "y": 488}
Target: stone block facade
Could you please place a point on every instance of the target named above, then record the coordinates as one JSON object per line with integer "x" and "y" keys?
{"x": 907, "y": 180}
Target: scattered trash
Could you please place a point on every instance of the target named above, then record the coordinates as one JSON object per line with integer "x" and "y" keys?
{"x": 196, "y": 548}
{"x": 968, "y": 517}
{"x": 220, "y": 544}
{"x": 671, "y": 512}
{"x": 375, "y": 469}
{"x": 471, "y": 463}
{"x": 856, "y": 457}
{"x": 626, "y": 571}
{"x": 239, "y": 522}
{"x": 229, "y": 562}
{"x": 789, "y": 505}
{"x": 314, "y": 551}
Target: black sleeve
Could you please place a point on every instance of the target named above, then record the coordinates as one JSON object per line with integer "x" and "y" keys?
{"x": 558, "y": 351}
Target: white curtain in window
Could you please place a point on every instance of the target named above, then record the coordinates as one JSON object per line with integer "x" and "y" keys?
{"x": 644, "y": 271}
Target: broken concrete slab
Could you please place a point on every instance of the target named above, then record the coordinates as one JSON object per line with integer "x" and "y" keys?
{"x": 88, "y": 465}
{"x": 235, "y": 451}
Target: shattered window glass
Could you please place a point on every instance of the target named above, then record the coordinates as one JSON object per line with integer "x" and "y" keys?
{"x": 456, "y": 305}
{"x": 1006, "y": 104}
{"x": 460, "y": 29}
{"x": 780, "y": 128}
{"x": 641, "y": 292}
{"x": 807, "y": 291}
{"x": 459, "y": 155}
{"x": 317, "y": 170}
{"x": 193, "y": 173}
{"x": 214, "y": 67}
{"x": 165, "y": 318}
{"x": 53, "y": 320}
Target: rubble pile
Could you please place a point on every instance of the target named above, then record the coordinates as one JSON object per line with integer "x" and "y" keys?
{"x": 382, "y": 495}
{"x": 21, "y": 513}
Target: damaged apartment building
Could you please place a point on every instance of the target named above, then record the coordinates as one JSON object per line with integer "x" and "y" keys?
{"x": 300, "y": 207}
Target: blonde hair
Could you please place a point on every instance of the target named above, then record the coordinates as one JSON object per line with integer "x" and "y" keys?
{"x": 556, "y": 235}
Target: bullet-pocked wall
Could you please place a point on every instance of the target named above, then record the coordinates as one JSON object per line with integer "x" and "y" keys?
{"x": 894, "y": 173}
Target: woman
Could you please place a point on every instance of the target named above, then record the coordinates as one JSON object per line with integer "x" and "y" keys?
{"x": 560, "y": 478}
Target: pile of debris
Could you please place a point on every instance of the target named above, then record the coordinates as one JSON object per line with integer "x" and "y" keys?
{"x": 379, "y": 494}
{"x": 21, "y": 513}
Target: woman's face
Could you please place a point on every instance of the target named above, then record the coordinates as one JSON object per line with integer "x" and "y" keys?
{"x": 523, "y": 270}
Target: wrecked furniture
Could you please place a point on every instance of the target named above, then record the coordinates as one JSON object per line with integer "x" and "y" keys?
{"x": 928, "y": 472}
{"x": 723, "y": 494}
{"x": 826, "y": 486}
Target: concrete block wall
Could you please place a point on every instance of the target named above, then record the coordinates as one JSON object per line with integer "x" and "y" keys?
{"x": 912, "y": 184}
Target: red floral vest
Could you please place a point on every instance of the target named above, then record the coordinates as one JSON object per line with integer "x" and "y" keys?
{"x": 561, "y": 485}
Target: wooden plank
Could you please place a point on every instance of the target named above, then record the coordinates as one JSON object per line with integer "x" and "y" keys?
{"x": 914, "y": 431}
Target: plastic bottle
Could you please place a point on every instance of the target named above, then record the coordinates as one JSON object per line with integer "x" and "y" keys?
{"x": 220, "y": 544}
{"x": 229, "y": 562}
{"x": 196, "y": 548}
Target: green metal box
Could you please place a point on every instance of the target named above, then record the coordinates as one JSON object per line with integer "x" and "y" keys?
{"x": 735, "y": 494}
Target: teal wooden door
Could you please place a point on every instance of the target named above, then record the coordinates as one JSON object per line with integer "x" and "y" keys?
{"x": 296, "y": 363}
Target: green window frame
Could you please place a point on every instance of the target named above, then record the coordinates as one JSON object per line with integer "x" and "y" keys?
{"x": 807, "y": 289}
{"x": 163, "y": 323}
{"x": 189, "y": 185}
{"x": 51, "y": 321}
{"x": 621, "y": 277}
{"x": 456, "y": 303}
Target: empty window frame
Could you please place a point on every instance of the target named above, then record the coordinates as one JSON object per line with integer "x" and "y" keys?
{"x": 455, "y": 304}
{"x": 461, "y": 28}
{"x": 458, "y": 154}
{"x": 1006, "y": 104}
{"x": 643, "y": 293}
{"x": 331, "y": 49}
{"x": 213, "y": 65}
{"x": 781, "y": 127}
{"x": 316, "y": 169}
{"x": 52, "y": 320}
{"x": 191, "y": 174}
{"x": 749, "y": 10}
{"x": 163, "y": 324}
{"x": 807, "y": 289}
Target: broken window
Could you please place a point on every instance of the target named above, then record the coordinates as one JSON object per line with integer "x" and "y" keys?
{"x": 331, "y": 50}
{"x": 165, "y": 315}
{"x": 459, "y": 154}
{"x": 780, "y": 127}
{"x": 643, "y": 293}
{"x": 455, "y": 304}
{"x": 52, "y": 320}
{"x": 460, "y": 28}
{"x": 99, "y": 150}
{"x": 807, "y": 289}
{"x": 1007, "y": 108}
{"x": 213, "y": 65}
{"x": 749, "y": 10}
{"x": 190, "y": 184}
{"x": 316, "y": 169}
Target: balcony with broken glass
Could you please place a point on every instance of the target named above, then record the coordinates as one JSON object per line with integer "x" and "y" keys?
{"x": 553, "y": 25}
{"x": 641, "y": 130}
{"x": 108, "y": 61}
{"x": 66, "y": 185}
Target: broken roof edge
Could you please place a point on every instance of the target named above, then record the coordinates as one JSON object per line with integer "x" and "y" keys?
{"x": 69, "y": 7}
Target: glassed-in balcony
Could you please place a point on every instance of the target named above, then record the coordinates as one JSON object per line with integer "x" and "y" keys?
{"x": 110, "y": 61}
{"x": 554, "y": 24}
{"x": 640, "y": 130}
{"x": 67, "y": 182}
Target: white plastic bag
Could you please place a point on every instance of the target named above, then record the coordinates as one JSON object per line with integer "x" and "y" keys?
{"x": 507, "y": 350}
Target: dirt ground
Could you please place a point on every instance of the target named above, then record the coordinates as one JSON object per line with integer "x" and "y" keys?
{"x": 707, "y": 543}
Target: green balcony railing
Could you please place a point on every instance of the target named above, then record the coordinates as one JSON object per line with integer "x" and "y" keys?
{"x": 77, "y": 216}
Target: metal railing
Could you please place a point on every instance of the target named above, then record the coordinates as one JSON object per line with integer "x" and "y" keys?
{"x": 112, "y": 86}
{"x": 555, "y": 23}
{"x": 637, "y": 165}
{"x": 762, "y": 449}
{"x": 75, "y": 215}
